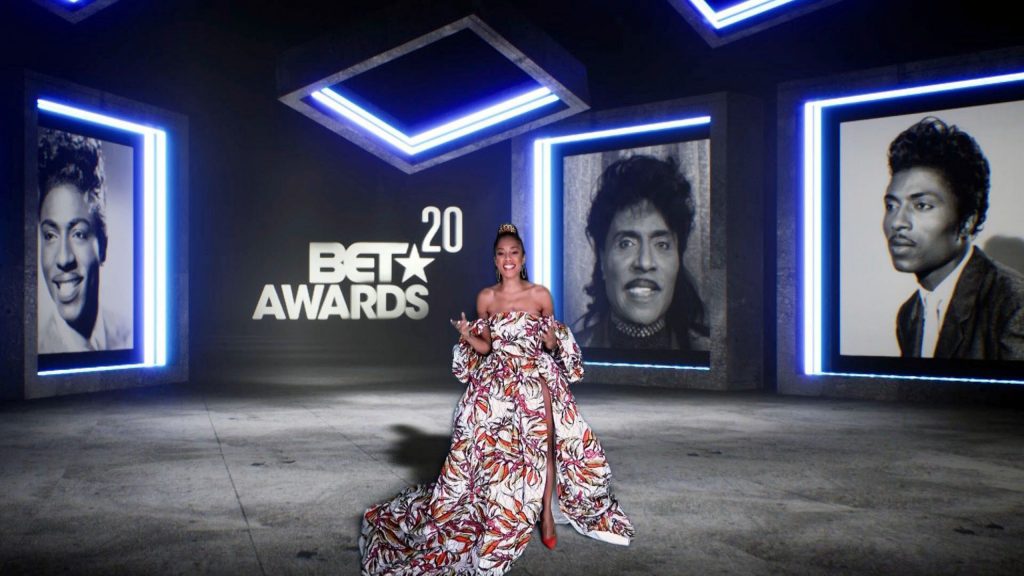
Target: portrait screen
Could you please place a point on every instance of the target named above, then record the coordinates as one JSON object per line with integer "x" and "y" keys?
{"x": 89, "y": 256}
{"x": 635, "y": 218}
{"x": 926, "y": 250}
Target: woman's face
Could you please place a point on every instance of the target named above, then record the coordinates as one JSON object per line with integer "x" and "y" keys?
{"x": 509, "y": 258}
{"x": 640, "y": 262}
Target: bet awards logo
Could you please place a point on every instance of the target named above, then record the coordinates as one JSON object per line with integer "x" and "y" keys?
{"x": 360, "y": 280}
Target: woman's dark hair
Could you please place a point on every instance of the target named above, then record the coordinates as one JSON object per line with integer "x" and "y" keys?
{"x": 931, "y": 143}
{"x": 510, "y": 231}
{"x": 74, "y": 160}
{"x": 628, "y": 183}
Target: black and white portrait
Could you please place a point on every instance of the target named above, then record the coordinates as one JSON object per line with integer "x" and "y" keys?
{"x": 931, "y": 240}
{"x": 86, "y": 290}
{"x": 636, "y": 247}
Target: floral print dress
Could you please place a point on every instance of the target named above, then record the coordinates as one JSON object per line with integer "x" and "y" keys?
{"x": 478, "y": 516}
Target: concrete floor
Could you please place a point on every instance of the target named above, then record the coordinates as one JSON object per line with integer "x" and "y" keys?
{"x": 265, "y": 478}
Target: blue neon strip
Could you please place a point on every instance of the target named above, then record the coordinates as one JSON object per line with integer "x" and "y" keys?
{"x": 540, "y": 262}
{"x": 811, "y": 282}
{"x": 93, "y": 369}
{"x": 654, "y": 366}
{"x": 462, "y": 126}
{"x": 940, "y": 378}
{"x": 154, "y": 200}
{"x": 735, "y": 14}
{"x": 812, "y": 240}
{"x": 160, "y": 228}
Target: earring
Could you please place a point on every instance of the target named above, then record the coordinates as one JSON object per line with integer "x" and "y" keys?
{"x": 497, "y": 276}
{"x": 522, "y": 273}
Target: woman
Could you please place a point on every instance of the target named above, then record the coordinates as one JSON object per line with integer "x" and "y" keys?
{"x": 519, "y": 445}
{"x": 642, "y": 297}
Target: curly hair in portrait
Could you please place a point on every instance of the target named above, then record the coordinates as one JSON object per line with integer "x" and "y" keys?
{"x": 75, "y": 160}
{"x": 931, "y": 143}
{"x": 629, "y": 183}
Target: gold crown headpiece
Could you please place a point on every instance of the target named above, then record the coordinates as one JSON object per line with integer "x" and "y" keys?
{"x": 508, "y": 228}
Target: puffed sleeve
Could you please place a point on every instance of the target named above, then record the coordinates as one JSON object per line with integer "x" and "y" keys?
{"x": 464, "y": 358}
{"x": 567, "y": 354}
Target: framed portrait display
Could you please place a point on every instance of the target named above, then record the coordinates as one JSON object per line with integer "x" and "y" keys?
{"x": 89, "y": 299}
{"x": 635, "y": 244}
{"x": 627, "y": 211}
{"x": 104, "y": 221}
{"x": 911, "y": 243}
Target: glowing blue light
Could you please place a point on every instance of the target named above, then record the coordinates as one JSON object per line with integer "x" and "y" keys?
{"x": 160, "y": 232}
{"x": 154, "y": 276}
{"x": 412, "y": 145}
{"x": 737, "y": 13}
{"x": 653, "y": 366}
{"x": 813, "y": 328}
{"x": 91, "y": 369}
{"x": 940, "y": 378}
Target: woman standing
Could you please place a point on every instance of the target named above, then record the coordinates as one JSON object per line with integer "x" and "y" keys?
{"x": 519, "y": 445}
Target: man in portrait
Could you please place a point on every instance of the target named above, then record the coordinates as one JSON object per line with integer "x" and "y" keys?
{"x": 73, "y": 246}
{"x": 641, "y": 295}
{"x": 967, "y": 306}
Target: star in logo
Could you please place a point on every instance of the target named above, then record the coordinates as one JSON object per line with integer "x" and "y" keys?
{"x": 414, "y": 264}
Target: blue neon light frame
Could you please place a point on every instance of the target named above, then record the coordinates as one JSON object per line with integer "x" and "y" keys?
{"x": 461, "y": 127}
{"x": 815, "y": 259}
{"x": 75, "y": 11}
{"x": 154, "y": 229}
{"x": 737, "y": 13}
{"x": 546, "y": 234}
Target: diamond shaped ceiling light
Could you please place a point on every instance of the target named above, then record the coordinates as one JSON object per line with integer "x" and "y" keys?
{"x": 722, "y": 21}
{"x": 74, "y": 11}
{"x": 418, "y": 90}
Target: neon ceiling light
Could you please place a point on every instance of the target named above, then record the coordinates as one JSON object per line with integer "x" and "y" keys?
{"x": 465, "y": 125}
{"x": 737, "y": 13}
{"x": 813, "y": 329}
{"x": 154, "y": 279}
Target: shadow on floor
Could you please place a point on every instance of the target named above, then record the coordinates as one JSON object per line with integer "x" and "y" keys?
{"x": 422, "y": 453}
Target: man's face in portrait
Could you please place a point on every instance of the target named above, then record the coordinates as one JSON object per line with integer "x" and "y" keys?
{"x": 640, "y": 262}
{"x": 920, "y": 224}
{"x": 70, "y": 256}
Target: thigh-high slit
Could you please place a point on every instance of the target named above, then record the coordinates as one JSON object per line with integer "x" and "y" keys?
{"x": 550, "y": 483}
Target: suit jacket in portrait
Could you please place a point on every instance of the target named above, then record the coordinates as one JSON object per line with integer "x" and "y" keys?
{"x": 984, "y": 320}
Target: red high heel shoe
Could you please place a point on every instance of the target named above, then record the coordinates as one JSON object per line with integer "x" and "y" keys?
{"x": 549, "y": 541}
